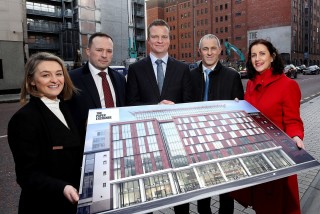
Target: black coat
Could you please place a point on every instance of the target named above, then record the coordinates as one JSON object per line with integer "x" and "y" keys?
{"x": 225, "y": 84}
{"x": 47, "y": 157}
{"x": 142, "y": 87}
{"x": 88, "y": 96}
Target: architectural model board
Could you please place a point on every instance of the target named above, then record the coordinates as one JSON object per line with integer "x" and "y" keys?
{"x": 145, "y": 158}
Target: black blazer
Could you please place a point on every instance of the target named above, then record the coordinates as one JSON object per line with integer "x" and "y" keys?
{"x": 225, "y": 84}
{"x": 88, "y": 97}
{"x": 47, "y": 157}
{"x": 142, "y": 87}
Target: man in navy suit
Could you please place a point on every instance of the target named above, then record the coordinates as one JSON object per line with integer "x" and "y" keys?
{"x": 142, "y": 80}
{"x": 89, "y": 82}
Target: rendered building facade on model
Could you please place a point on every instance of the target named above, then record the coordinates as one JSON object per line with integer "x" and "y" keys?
{"x": 173, "y": 153}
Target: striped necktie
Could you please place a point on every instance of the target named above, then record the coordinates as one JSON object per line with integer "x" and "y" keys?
{"x": 207, "y": 80}
{"x": 106, "y": 90}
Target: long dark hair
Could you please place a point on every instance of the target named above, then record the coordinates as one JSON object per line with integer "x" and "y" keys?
{"x": 277, "y": 63}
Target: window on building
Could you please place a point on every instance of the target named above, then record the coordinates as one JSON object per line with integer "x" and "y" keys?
{"x": 226, "y": 6}
{"x": 221, "y": 7}
{"x": 238, "y": 37}
{"x": 221, "y": 18}
{"x": 226, "y": 29}
{"x": 216, "y": 8}
{"x": 238, "y": 14}
{"x": 217, "y": 20}
{"x": 226, "y": 18}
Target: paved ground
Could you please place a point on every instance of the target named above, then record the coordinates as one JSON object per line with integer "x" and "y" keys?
{"x": 309, "y": 181}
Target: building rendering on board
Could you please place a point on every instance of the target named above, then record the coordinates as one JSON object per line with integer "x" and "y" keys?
{"x": 167, "y": 156}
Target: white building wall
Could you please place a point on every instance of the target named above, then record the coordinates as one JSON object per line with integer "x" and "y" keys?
{"x": 11, "y": 43}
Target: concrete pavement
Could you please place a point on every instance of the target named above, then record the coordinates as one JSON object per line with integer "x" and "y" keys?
{"x": 309, "y": 181}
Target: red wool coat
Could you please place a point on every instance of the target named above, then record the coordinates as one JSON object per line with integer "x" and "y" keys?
{"x": 277, "y": 97}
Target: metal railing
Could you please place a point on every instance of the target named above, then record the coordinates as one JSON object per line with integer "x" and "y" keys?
{"x": 44, "y": 45}
{"x": 48, "y": 27}
{"x": 45, "y": 13}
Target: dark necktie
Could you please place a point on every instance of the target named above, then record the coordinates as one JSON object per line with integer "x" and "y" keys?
{"x": 106, "y": 90}
{"x": 206, "y": 89}
{"x": 160, "y": 74}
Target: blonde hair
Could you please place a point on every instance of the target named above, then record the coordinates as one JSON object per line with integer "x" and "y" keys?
{"x": 30, "y": 69}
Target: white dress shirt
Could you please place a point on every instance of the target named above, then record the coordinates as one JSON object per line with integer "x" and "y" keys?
{"x": 164, "y": 64}
{"x": 98, "y": 81}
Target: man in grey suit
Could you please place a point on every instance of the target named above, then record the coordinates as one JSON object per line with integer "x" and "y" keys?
{"x": 213, "y": 81}
{"x": 158, "y": 78}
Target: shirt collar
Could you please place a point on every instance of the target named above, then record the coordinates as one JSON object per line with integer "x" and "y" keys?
{"x": 95, "y": 71}
{"x": 164, "y": 59}
{"x": 212, "y": 68}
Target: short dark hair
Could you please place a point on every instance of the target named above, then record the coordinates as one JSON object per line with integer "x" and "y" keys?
{"x": 157, "y": 22}
{"x": 277, "y": 63}
{"x": 98, "y": 34}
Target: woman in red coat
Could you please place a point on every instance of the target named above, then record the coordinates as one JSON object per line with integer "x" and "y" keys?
{"x": 277, "y": 97}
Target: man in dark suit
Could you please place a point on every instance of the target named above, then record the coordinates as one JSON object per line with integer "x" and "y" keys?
{"x": 145, "y": 86}
{"x": 213, "y": 81}
{"x": 91, "y": 79}
{"x": 159, "y": 78}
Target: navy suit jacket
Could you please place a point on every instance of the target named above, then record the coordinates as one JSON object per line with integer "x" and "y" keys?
{"x": 88, "y": 96}
{"x": 225, "y": 84}
{"x": 142, "y": 87}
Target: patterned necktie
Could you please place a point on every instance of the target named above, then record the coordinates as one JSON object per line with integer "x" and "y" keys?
{"x": 160, "y": 74}
{"x": 106, "y": 90}
{"x": 206, "y": 89}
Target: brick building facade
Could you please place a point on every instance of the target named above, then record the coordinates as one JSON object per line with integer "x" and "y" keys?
{"x": 292, "y": 26}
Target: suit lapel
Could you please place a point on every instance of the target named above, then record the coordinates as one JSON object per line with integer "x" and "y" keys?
{"x": 170, "y": 73}
{"x": 89, "y": 83}
{"x": 151, "y": 77}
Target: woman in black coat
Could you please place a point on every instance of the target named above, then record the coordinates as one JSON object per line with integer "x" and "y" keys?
{"x": 44, "y": 141}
